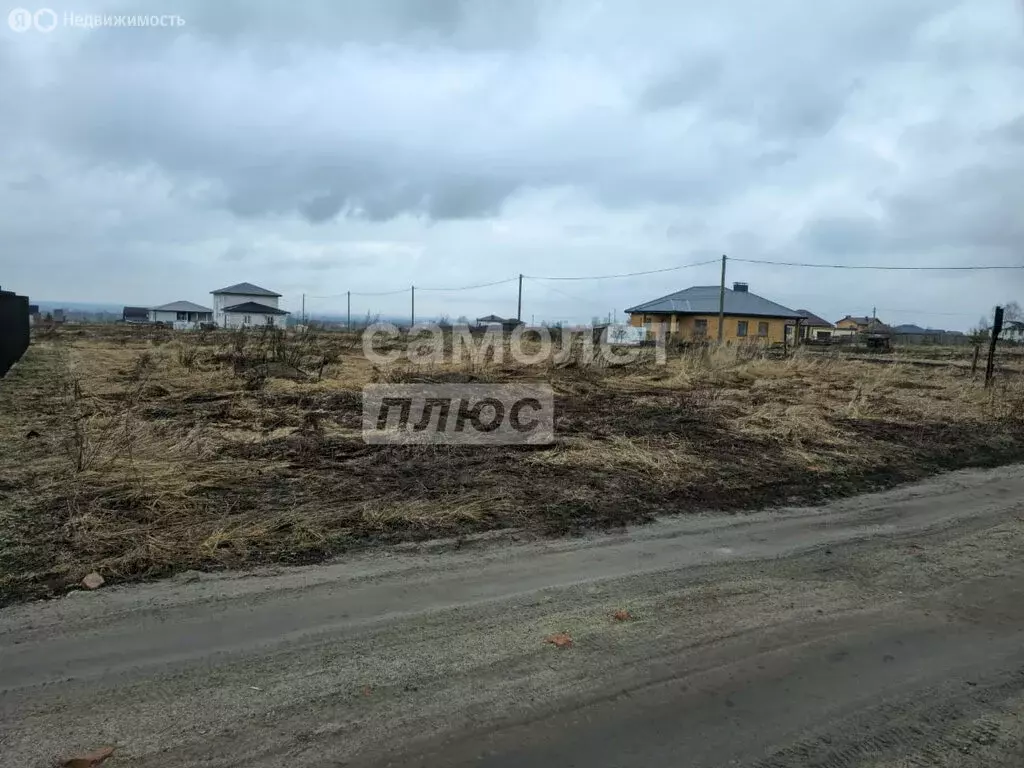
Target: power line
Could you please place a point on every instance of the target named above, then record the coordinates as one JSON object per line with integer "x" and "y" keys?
{"x": 872, "y": 266}
{"x": 885, "y": 267}
{"x": 470, "y": 287}
{"x": 418, "y": 288}
{"x": 627, "y": 274}
{"x": 380, "y": 293}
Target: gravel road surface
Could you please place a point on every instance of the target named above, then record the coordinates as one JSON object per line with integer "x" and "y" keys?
{"x": 883, "y": 631}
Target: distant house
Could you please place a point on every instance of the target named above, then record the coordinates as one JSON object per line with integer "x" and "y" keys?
{"x": 1013, "y": 330}
{"x": 58, "y": 316}
{"x": 692, "y": 314}
{"x": 506, "y": 323}
{"x": 852, "y": 325}
{"x": 245, "y": 305}
{"x": 33, "y": 314}
{"x": 181, "y": 312}
{"x": 813, "y": 327}
{"x": 134, "y": 315}
{"x": 909, "y": 333}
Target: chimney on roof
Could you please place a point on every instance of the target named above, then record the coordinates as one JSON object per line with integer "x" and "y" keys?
{"x": 740, "y": 287}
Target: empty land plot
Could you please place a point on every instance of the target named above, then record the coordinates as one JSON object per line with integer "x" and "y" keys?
{"x": 139, "y": 452}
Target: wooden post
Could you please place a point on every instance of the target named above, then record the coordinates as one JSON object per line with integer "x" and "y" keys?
{"x": 721, "y": 305}
{"x": 990, "y": 366}
{"x": 974, "y": 363}
{"x": 413, "y": 308}
{"x": 348, "y": 309}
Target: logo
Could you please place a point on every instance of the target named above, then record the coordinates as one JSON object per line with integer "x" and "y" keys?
{"x": 458, "y": 414}
{"x": 20, "y": 20}
{"x": 45, "y": 19}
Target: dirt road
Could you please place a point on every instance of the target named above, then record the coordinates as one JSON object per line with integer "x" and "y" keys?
{"x": 881, "y": 631}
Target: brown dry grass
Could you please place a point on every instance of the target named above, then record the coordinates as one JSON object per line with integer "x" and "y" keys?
{"x": 138, "y": 452}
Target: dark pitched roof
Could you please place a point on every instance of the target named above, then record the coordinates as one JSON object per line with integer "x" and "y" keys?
{"x": 811, "y": 319}
{"x": 246, "y": 289}
{"x": 182, "y": 306}
{"x": 703, "y": 300}
{"x": 496, "y": 319}
{"x": 252, "y": 308}
{"x": 865, "y": 320}
{"x": 134, "y": 312}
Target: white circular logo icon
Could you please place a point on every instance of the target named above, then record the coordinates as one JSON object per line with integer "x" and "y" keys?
{"x": 45, "y": 19}
{"x": 19, "y": 20}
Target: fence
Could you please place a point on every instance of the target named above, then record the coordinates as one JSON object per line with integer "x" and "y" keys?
{"x": 14, "y": 325}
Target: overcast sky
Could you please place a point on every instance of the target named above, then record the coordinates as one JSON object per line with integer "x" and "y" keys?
{"x": 367, "y": 145}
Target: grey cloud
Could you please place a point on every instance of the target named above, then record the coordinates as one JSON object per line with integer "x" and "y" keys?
{"x": 842, "y": 236}
{"x": 688, "y": 81}
{"x": 833, "y": 132}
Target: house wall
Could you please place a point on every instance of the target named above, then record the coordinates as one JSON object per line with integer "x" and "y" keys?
{"x": 816, "y": 331}
{"x": 162, "y": 317}
{"x": 221, "y": 300}
{"x": 684, "y": 326}
{"x": 236, "y": 320}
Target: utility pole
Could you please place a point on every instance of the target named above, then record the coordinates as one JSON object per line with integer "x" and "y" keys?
{"x": 519, "y": 305}
{"x": 721, "y": 305}
{"x": 303, "y": 309}
{"x": 413, "y": 305}
{"x": 348, "y": 309}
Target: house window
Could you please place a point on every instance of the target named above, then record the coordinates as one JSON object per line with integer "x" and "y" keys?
{"x": 247, "y": 318}
{"x": 741, "y": 328}
{"x": 762, "y": 329}
{"x": 183, "y": 315}
{"x": 700, "y": 327}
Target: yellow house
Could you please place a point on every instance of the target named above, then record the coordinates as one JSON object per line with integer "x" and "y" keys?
{"x": 851, "y": 326}
{"x": 692, "y": 315}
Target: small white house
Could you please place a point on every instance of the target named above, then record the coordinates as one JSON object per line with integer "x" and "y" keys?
{"x": 181, "y": 312}
{"x": 246, "y": 305}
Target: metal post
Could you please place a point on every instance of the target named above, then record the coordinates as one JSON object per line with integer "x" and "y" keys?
{"x": 519, "y": 306}
{"x": 413, "y": 305}
{"x": 997, "y": 326}
{"x": 303, "y": 309}
{"x": 348, "y": 309}
{"x": 721, "y": 305}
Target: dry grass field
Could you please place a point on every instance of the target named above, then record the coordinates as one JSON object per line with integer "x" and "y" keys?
{"x": 139, "y": 452}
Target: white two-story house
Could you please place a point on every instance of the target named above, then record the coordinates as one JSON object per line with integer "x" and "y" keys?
{"x": 247, "y": 305}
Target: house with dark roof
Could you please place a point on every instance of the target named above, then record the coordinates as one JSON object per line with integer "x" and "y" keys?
{"x": 135, "y": 315}
{"x": 506, "y": 323}
{"x": 692, "y": 314}
{"x": 852, "y": 325}
{"x": 909, "y": 333}
{"x": 813, "y": 327}
{"x": 245, "y": 304}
